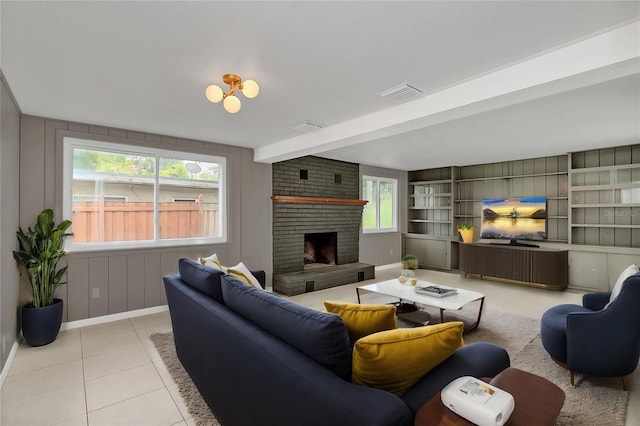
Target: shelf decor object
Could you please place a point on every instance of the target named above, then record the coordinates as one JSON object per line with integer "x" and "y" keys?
{"x": 466, "y": 232}
{"x": 232, "y": 104}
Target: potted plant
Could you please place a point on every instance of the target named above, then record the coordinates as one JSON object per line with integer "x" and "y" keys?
{"x": 409, "y": 266}
{"x": 466, "y": 232}
{"x": 410, "y": 262}
{"x": 40, "y": 251}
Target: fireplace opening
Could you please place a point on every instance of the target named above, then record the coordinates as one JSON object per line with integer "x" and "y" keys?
{"x": 320, "y": 249}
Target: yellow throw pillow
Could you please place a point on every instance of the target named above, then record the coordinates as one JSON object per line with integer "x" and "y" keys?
{"x": 395, "y": 360}
{"x": 362, "y": 320}
{"x": 212, "y": 262}
{"x": 242, "y": 273}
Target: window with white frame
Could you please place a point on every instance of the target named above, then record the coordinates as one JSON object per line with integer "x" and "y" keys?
{"x": 380, "y": 213}
{"x": 120, "y": 195}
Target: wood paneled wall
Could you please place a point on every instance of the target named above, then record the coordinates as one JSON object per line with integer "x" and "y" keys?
{"x": 9, "y": 216}
{"x": 108, "y": 282}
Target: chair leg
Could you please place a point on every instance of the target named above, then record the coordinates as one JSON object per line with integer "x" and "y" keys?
{"x": 625, "y": 381}
{"x": 560, "y": 363}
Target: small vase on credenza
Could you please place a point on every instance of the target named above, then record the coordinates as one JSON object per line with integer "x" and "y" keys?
{"x": 466, "y": 232}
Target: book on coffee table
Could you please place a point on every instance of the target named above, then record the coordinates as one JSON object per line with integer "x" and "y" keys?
{"x": 434, "y": 290}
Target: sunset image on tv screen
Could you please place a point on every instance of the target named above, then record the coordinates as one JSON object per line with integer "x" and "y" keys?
{"x": 514, "y": 218}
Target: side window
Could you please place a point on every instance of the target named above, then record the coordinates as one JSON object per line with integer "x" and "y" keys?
{"x": 380, "y": 213}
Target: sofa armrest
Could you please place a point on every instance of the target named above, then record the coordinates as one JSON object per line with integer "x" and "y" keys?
{"x": 595, "y": 301}
{"x": 614, "y": 352}
{"x": 261, "y": 276}
{"x": 480, "y": 359}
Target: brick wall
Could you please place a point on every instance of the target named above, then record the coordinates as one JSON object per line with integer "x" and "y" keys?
{"x": 324, "y": 178}
{"x": 321, "y": 178}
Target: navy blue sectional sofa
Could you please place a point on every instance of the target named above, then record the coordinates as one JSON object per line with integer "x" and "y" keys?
{"x": 259, "y": 359}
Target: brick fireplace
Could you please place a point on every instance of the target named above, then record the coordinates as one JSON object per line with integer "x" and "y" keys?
{"x": 315, "y": 204}
{"x": 320, "y": 249}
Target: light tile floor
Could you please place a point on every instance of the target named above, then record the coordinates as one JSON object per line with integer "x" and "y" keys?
{"x": 111, "y": 374}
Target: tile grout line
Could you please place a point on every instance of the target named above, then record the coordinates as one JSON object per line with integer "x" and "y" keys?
{"x": 170, "y": 394}
{"x": 165, "y": 384}
{"x": 125, "y": 400}
{"x": 84, "y": 380}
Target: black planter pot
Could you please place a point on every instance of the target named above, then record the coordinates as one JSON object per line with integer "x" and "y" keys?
{"x": 40, "y": 326}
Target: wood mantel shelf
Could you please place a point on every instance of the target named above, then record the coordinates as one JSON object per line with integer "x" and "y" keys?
{"x": 316, "y": 200}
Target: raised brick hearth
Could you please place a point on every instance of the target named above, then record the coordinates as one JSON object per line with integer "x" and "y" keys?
{"x": 316, "y": 196}
{"x": 311, "y": 280}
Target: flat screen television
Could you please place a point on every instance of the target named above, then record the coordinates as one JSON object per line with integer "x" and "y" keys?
{"x": 513, "y": 219}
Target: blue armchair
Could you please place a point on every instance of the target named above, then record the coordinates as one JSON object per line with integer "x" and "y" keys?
{"x": 596, "y": 339}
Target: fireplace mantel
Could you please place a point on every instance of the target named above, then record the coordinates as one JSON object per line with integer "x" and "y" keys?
{"x": 316, "y": 200}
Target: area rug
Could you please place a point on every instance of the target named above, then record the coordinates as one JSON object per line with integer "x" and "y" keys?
{"x": 593, "y": 401}
{"x": 198, "y": 409}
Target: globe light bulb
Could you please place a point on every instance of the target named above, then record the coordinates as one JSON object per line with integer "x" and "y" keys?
{"x": 250, "y": 89}
{"x": 214, "y": 93}
{"x": 232, "y": 104}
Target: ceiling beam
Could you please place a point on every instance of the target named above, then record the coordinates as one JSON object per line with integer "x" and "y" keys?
{"x": 600, "y": 58}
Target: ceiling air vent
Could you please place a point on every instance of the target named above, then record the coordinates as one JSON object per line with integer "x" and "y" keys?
{"x": 401, "y": 93}
{"x": 307, "y": 126}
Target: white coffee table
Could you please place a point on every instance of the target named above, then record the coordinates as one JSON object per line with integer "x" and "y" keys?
{"x": 405, "y": 292}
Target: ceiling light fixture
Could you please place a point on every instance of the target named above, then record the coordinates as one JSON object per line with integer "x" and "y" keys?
{"x": 231, "y": 102}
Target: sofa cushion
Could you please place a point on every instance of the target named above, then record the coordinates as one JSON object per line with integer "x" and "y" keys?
{"x": 319, "y": 335}
{"x": 202, "y": 278}
{"x": 362, "y": 320}
{"x": 394, "y": 360}
{"x": 553, "y": 329}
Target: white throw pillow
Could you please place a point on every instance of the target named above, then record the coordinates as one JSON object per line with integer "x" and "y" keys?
{"x": 242, "y": 270}
{"x": 631, "y": 270}
{"x": 212, "y": 262}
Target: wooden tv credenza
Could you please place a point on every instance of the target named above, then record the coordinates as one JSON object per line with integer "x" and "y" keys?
{"x": 536, "y": 267}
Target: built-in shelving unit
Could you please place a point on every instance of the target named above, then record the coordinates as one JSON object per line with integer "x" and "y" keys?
{"x": 430, "y": 195}
{"x": 430, "y": 217}
{"x": 605, "y": 197}
{"x": 440, "y": 199}
{"x": 593, "y": 210}
{"x": 547, "y": 176}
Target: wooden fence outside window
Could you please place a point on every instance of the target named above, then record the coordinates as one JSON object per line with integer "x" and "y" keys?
{"x": 103, "y": 221}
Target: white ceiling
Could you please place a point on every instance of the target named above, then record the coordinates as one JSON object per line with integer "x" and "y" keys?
{"x": 502, "y": 80}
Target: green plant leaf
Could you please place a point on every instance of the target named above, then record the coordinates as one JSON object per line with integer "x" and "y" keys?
{"x": 40, "y": 250}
